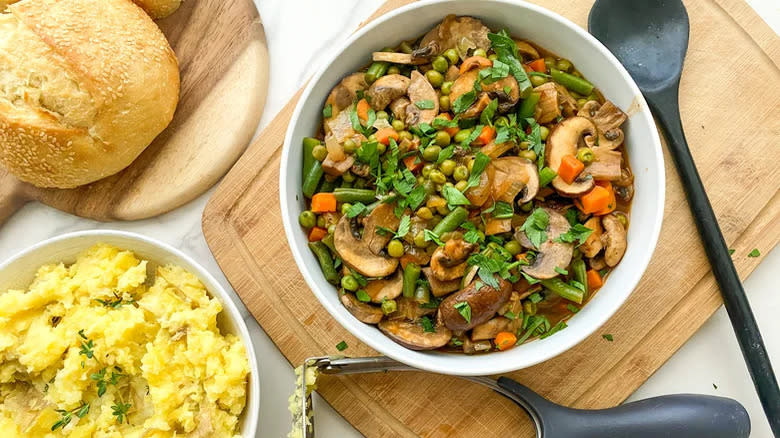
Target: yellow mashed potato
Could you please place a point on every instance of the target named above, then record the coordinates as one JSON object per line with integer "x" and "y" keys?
{"x": 100, "y": 349}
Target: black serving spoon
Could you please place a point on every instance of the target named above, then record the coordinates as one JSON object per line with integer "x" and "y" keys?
{"x": 650, "y": 38}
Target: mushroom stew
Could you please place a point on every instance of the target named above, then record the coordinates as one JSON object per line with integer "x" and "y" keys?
{"x": 468, "y": 191}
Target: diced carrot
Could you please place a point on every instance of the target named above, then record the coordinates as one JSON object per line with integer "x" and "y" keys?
{"x": 612, "y": 200}
{"x": 594, "y": 279}
{"x": 487, "y": 134}
{"x": 323, "y": 203}
{"x": 505, "y": 340}
{"x": 538, "y": 65}
{"x": 411, "y": 165}
{"x": 362, "y": 109}
{"x": 451, "y": 131}
{"x": 522, "y": 257}
{"x": 316, "y": 234}
{"x": 385, "y": 134}
{"x": 473, "y": 62}
{"x": 527, "y": 68}
{"x": 570, "y": 168}
{"x": 595, "y": 200}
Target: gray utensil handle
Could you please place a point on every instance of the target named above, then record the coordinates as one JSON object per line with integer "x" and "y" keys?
{"x": 671, "y": 416}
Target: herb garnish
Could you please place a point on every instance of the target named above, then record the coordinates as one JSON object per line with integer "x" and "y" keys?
{"x": 454, "y": 197}
{"x": 425, "y": 104}
{"x": 341, "y": 346}
{"x": 608, "y": 337}
{"x": 577, "y": 233}
{"x": 535, "y": 227}
{"x": 464, "y": 309}
{"x": 431, "y": 236}
{"x": 427, "y": 325}
{"x": 119, "y": 410}
{"x": 754, "y": 253}
{"x": 67, "y": 416}
{"x": 327, "y": 112}
{"x": 480, "y": 163}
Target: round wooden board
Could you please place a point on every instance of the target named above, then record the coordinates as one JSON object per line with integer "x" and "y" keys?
{"x": 223, "y": 61}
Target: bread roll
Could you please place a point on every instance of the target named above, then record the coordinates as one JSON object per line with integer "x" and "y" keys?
{"x": 85, "y": 86}
{"x": 158, "y": 8}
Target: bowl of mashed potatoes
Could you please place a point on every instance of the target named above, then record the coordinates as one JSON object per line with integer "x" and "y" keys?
{"x": 110, "y": 334}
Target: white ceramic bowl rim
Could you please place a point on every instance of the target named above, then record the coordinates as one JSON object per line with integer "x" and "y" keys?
{"x": 495, "y": 362}
{"x": 251, "y": 414}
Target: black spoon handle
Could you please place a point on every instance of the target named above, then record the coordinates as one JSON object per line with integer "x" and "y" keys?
{"x": 670, "y": 416}
{"x": 666, "y": 108}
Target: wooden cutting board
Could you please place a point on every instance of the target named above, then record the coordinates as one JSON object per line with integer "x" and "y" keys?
{"x": 730, "y": 106}
{"x": 223, "y": 61}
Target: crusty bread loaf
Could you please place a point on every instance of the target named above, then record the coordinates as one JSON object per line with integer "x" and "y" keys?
{"x": 85, "y": 86}
{"x": 158, "y": 8}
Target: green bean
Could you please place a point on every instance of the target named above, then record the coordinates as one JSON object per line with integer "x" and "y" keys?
{"x": 326, "y": 262}
{"x": 312, "y": 169}
{"x": 422, "y": 294}
{"x": 528, "y": 106}
{"x": 329, "y": 242}
{"x": 566, "y": 291}
{"x": 411, "y": 274}
{"x": 354, "y": 195}
{"x": 308, "y": 158}
{"x": 452, "y": 221}
{"x": 580, "y": 274}
{"x": 389, "y": 306}
{"x": 376, "y": 71}
{"x": 572, "y": 82}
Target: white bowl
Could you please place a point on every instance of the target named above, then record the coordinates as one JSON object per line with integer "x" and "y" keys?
{"x": 556, "y": 34}
{"x": 19, "y": 272}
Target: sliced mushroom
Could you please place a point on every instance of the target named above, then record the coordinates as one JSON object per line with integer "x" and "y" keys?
{"x": 479, "y": 194}
{"x": 452, "y": 73}
{"x": 356, "y": 253}
{"x": 606, "y": 164}
{"x": 381, "y": 216}
{"x": 490, "y": 329}
{"x": 483, "y": 304}
{"x": 494, "y": 150}
{"x": 386, "y": 288}
{"x": 614, "y": 240}
{"x": 413, "y": 336}
{"x": 440, "y": 288}
{"x": 498, "y": 89}
{"x": 563, "y": 140}
{"x": 555, "y": 101}
{"x": 345, "y": 92}
{"x": 460, "y": 33}
{"x": 506, "y": 90}
{"x": 597, "y": 263}
{"x": 409, "y": 309}
{"x": 528, "y": 51}
{"x": 398, "y": 108}
{"x": 608, "y": 118}
{"x": 420, "y": 90}
{"x": 398, "y": 58}
{"x": 387, "y": 89}
{"x": 340, "y": 127}
{"x": 551, "y": 254}
{"x": 592, "y": 244}
{"x": 448, "y": 262}
{"x": 337, "y": 168}
{"x": 514, "y": 176}
{"x": 364, "y": 312}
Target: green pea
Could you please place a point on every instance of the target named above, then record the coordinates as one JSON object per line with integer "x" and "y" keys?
{"x": 431, "y": 153}
{"x": 440, "y": 64}
{"x": 544, "y": 132}
{"x": 405, "y": 135}
{"x": 321, "y": 222}
{"x": 529, "y": 307}
{"x": 345, "y": 207}
{"x": 460, "y": 173}
{"x": 537, "y": 80}
{"x": 405, "y": 47}
{"x": 513, "y": 247}
{"x": 307, "y": 219}
{"x": 319, "y": 152}
{"x": 349, "y": 283}
{"x": 585, "y": 155}
{"x": 447, "y": 167}
{"x": 393, "y": 70}
{"x": 502, "y": 121}
{"x": 381, "y": 148}
{"x": 372, "y": 137}
{"x": 452, "y": 56}
{"x": 331, "y": 228}
{"x": 426, "y": 170}
{"x": 435, "y": 78}
{"x": 581, "y": 102}
{"x": 420, "y": 179}
{"x": 444, "y": 103}
{"x": 442, "y": 138}
{"x": 462, "y": 135}
{"x": 425, "y": 213}
{"x": 524, "y": 145}
{"x": 398, "y": 125}
{"x": 350, "y": 146}
{"x": 395, "y": 248}
{"x": 382, "y": 115}
{"x": 622, "y": 218}
{"x": 461, "y": 185}
{"x": 446, "y": 88}
{"x": 348, "y": 177}
{"x": 419, "y": 239}
{"x": 389, "y": 306}
{"x": 479, "y": 52}
{"x": 438, "y": 177}
{"x": 527, "y": 207}
{"x": 549, "y": 62}
{"x": 493, "y": 57}
{"x": 527, "y": 154}
{"x": 563, "y": 65}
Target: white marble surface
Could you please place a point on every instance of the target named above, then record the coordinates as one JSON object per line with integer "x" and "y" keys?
{"x": 299, "y": 33}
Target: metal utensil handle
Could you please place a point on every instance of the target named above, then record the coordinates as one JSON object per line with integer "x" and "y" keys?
{"x": 672, "y": 416}
{"x": 744, "y": 323}
{"x": 362, "y": 365}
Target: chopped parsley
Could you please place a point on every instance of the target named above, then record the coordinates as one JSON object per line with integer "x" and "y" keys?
{"x": 454, "y": 197}
{"x": 480, "y": 163}
{"x": 445, "y": 154}
{"x": 608, "y": 337}
{"x": 403, "y": 226}
{"x": 572, "y": 308}
{"x": 558, "y": 327}
{"x": 506, "y": 49}
{"x": 561, "y": 271}
{"x": 464, "y": 101}
{"x": 442, "y": 123}
{"x": 534, "y": 325}
{"x": 754, "y": 253}
{"x": 327, "y": 112}
{"x": 535, "y": 297}
{"x": 427, "y": 325}
{"x": 731, "y": 251}
{"x": 425, "y": 104}
{"x": 465, "y": 310}
{"x": 486, "y": 118}
{"x": 472, "y": 235}
{"x": 535, "y": 227}
{"x": 363, "y": 296}
{"x": 431, "y": 236}
{"x": 546, "y": 175}
{"x": 577, "y": 233}
{"x": 341, "y": 346}
{"x": 503, "y": 210}
{"x": 355, "y": 210}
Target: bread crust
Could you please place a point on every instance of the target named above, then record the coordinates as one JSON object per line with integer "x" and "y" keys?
{"x": 88, "y": 85}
